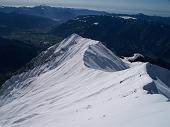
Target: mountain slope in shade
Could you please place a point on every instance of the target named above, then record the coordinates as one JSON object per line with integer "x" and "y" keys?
{"x": 13, "y": 55}
{"x": 81, "y": 83}
{"x": 14, "y": 22}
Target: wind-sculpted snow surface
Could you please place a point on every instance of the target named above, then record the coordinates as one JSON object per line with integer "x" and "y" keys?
{"x": 80, "y": 83}
{"x": 99, "y": 57}
{"x": 161, "y": 80}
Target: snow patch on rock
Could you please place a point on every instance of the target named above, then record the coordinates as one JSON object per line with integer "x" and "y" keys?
{"x": 96, "y": 23}
{"x": 134, "y": 57}
{"x": 127, "y": 17}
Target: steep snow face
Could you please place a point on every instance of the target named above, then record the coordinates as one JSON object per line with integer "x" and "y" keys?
{"x": 80, "y": 83}
{"x": 99, "y": 57}
{"x": 161, "y": 80}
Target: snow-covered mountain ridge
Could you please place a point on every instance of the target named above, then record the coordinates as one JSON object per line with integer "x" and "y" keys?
{"x": 81, "y": 83}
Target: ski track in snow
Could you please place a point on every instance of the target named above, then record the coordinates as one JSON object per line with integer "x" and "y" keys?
{"x": 81, "y": 83}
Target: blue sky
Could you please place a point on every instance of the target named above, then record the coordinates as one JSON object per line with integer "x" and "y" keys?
{"x": 152, "y": 7}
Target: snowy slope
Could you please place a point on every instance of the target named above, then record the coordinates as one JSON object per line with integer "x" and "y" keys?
{"x": 81, "y": 83}
{"x": 127, "y": 17}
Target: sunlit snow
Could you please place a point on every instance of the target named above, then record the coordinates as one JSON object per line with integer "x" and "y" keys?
{"x": 81, "y": 83}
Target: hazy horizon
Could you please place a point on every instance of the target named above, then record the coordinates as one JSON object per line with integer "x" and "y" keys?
{"x": 149, "y": 7}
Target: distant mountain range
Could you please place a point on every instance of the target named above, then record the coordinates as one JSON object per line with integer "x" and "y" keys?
{"x": 14, "y": 22}
{"x": 163, "y": 20}
{"x": 61, "y": 15}
{"x": 55, "y": 13}
{"x": 30, "y": 24}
